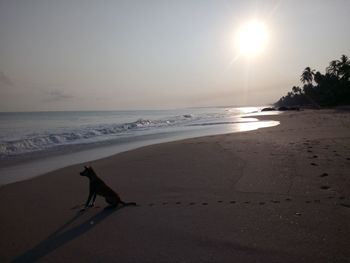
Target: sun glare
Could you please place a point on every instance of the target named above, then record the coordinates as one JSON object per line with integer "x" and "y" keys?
{"x": 251, "y": 38}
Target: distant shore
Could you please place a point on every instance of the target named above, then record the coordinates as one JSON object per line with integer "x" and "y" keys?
{"x": 279, "y": 194}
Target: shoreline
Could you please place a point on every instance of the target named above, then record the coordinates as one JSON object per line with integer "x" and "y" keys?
{"x": 30, "y": 165}
{"x": 279, "y": 194}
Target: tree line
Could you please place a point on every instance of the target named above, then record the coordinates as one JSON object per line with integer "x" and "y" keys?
{"x": 321, "y": 90}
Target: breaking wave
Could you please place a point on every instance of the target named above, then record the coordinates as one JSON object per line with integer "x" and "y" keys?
{"x": 87, "y": 134}
{"x": 22, "y": 133}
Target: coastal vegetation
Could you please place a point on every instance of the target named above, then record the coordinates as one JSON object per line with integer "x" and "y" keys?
{"x": 321, "y": 90}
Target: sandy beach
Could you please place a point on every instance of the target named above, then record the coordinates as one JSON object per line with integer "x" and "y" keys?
{"x": 279, "y": 194}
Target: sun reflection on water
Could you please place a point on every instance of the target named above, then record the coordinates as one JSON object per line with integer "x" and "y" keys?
{"x": 248, "y": 119}
{"x": 254, "y": 125}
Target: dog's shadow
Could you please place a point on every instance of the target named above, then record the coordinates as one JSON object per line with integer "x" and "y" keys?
{"x": 59, "y": 238}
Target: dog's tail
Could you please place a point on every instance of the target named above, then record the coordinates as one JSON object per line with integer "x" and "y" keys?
{"x": 128, "y": 203}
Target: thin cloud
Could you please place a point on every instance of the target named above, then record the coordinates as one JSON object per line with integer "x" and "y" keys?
{"x": 5, "y": 81}
{"x": 57, "y": 95}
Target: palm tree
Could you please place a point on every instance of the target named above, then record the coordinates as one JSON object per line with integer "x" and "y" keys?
{"x": 318, "y": 77}
{"x": 296, "y": 90}
{"x": 329, "y": 89}
{"x": 307, "y": 75}
{"x": 333, "y": 68}
{"x": 344, "y": 67}
{"x": 308, "y": 91}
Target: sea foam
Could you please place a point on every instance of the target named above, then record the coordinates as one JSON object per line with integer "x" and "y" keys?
{"x": 32, "y": 132}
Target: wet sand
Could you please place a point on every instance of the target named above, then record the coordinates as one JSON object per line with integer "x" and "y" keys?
{"x": 279, "y": 194}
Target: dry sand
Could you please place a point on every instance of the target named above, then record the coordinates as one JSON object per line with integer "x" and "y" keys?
{"x": 278, "y": 194}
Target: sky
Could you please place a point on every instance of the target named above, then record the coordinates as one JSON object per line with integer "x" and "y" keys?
{"x": 148, "y": 54}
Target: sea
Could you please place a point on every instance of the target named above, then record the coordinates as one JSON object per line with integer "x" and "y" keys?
{"x": 33, "y": 143}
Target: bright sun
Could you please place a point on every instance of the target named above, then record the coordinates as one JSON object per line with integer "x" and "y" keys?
{"x": 251, "y": 38}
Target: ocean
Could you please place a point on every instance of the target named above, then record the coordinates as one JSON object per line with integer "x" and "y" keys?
{"x": 33, "y": 143}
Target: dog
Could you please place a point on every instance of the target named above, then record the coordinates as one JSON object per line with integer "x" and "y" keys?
{"x": 98, "y": 187}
